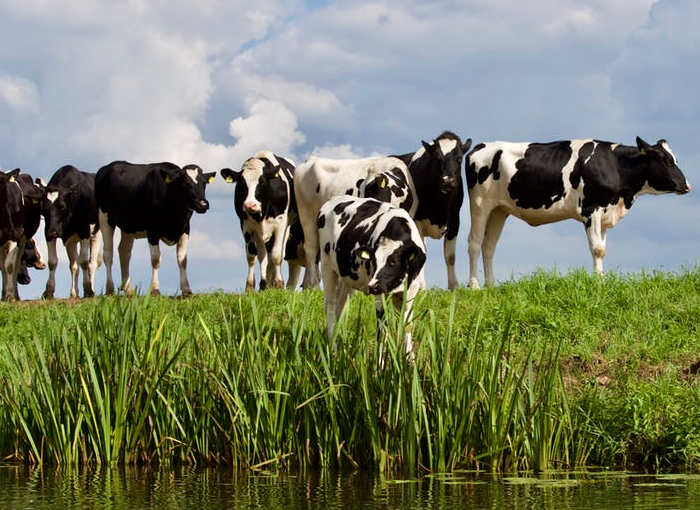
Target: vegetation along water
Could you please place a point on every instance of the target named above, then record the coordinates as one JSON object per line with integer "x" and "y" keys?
{"x": 548, "y": 372}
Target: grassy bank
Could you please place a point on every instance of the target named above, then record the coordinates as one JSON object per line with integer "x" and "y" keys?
{"x": 547, "y": 372}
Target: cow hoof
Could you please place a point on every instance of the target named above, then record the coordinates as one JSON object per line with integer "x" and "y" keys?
{"x": 88, "y": 293}
{"x": 155, "y": 292}
{"x": 279, "y": 284}
{"x": 47, "y": 295}
{"x": 186, "y": 293}
{"x": 474, "y": 284}
{"x": 263, "y": 285}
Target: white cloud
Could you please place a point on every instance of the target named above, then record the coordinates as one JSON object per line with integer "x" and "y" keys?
{"x": 19, "y": 94}
{"x": 270, "y": 125}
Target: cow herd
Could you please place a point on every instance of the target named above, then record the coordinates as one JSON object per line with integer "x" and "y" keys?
{"x": 363, "y": 220}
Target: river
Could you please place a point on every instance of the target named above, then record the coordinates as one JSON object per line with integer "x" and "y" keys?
{"x": 203, "y": 489}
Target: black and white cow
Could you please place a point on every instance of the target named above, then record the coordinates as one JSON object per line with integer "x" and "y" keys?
{"x": 31, "y": 258}
{"x": 436, "y": 170}
{"x": 370, "y": 246}
{"x": 266, "y": 207}
{"x": 319, "y": 179}
{"x": 70, "y": 213}
{"x": 19, "y": 220}
{"x": 155, "y": 201}
{"x": 591, "y": 181}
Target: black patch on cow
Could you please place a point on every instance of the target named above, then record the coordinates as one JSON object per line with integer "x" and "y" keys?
{"x": 247, "y": 237}
{"x": 327, "y": 248}
{"x": 321, "y": 222}
{"x": 318, "y": 187}
{"x": 538, "y": 181}
{"x": 251, "y": 248}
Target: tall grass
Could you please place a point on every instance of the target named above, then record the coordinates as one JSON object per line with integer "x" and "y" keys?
{"x": 502, "y": 380}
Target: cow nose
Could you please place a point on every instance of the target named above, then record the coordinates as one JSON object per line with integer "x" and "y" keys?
{"x": 448, "y": 183}
{"x": 374, "y": 288}
{"x": 251, "y": 207}
{"x": 202, "y": 206}
{"x": 687, "y": 187}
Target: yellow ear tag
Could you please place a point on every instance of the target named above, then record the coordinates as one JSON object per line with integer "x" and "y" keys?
{"x": 35, "y": 201}
{"x": 210, "y": 180}
{"x": 168, "y": 179}
{"x": 11, "y": 179}
{"x": 411, "y": 257}
{"x": 383, "y": 184}
{"x": 642, "y": 152}
{"x": 364, "y": 255}
{"x": 229, "y": 179}
{"x": 277, "y": 174}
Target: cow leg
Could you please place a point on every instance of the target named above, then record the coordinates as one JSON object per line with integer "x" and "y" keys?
{"x": 11, "y": 267}
{"x": 331, "y": 286}
{"x": 263, "y": 260}
{"x": 155, "y": 266}
{"x": 494, "y": 227}
{"x": 277, "y": 255}
{"x": 107, "y": 251}
{"x": 53, "y": 263}
{"x": 449, "y": 249}
{"x": 126, "y": 243}
{"x": 308, "y": 224}
{"x": 294, "y": 274}
{"x": 72, "y": 252}
{"x": 18, "y": 263}
{"x": 4, "y": 251}
{"x": 93, "y": 263}
{"x": 596, "y": 241}
{"x": 181, "y": 252}
{"x": 475, "y": 240}
{"x": 84, "y": 263}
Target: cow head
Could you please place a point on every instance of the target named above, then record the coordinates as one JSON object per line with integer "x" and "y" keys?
{"x": 447, "y": 152}
{"x": 188, "y": 185}
{"x": 661, "y": 168}
{"x": 396, "y": 261}
{"x": 259, "y": 186}
{"x": 56, "y": 208}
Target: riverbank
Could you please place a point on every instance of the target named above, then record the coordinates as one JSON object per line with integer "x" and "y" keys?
{"x": 547, "y": 372}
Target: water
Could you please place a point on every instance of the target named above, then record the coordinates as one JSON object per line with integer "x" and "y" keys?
{"x": 218, "y": 489}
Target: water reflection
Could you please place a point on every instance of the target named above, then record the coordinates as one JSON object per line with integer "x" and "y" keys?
{"x": 202, "y": 489}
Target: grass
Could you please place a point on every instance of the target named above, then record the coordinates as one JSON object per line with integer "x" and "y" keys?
{"x": 547, "y": 372}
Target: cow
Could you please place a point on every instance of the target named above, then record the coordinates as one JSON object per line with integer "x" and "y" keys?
{"x": 370, "y": 246}
{"x": 265, "y": 204}
{"x": 154, "y": 201}
{"x": 592, "y": 181}
{"x": 436, "y": 170}
{"x": 70, "y": 213}
{"x": 319, "y": 179}
{"x": 31, "y": 258}
{"x": 19, "y": 199}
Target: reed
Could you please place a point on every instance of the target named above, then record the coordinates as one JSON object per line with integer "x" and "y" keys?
{"x": 499, "y": 381}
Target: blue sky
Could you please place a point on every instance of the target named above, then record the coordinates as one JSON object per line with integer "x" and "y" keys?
{"x": 85, "y": 82}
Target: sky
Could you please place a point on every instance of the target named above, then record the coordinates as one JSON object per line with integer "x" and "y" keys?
{"x": 211, "y": 82}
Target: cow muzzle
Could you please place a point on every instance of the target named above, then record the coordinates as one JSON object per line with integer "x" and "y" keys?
{"x": 202, "y": 206}
{"x": 448, "y": 184}
{"x": 251, "y": 207}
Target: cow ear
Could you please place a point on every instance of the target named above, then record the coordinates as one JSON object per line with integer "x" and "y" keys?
{"x": 414, "y": 258}
{"x": 168, "y": 175}
{"x": 467, "y": 145}
{"x": 12, "y": 175}
{"x": 229, "y": 175}
{"x": 363, "y": 255}
{"x": 209, "y": 177}
{"x": 642, "y": 146}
